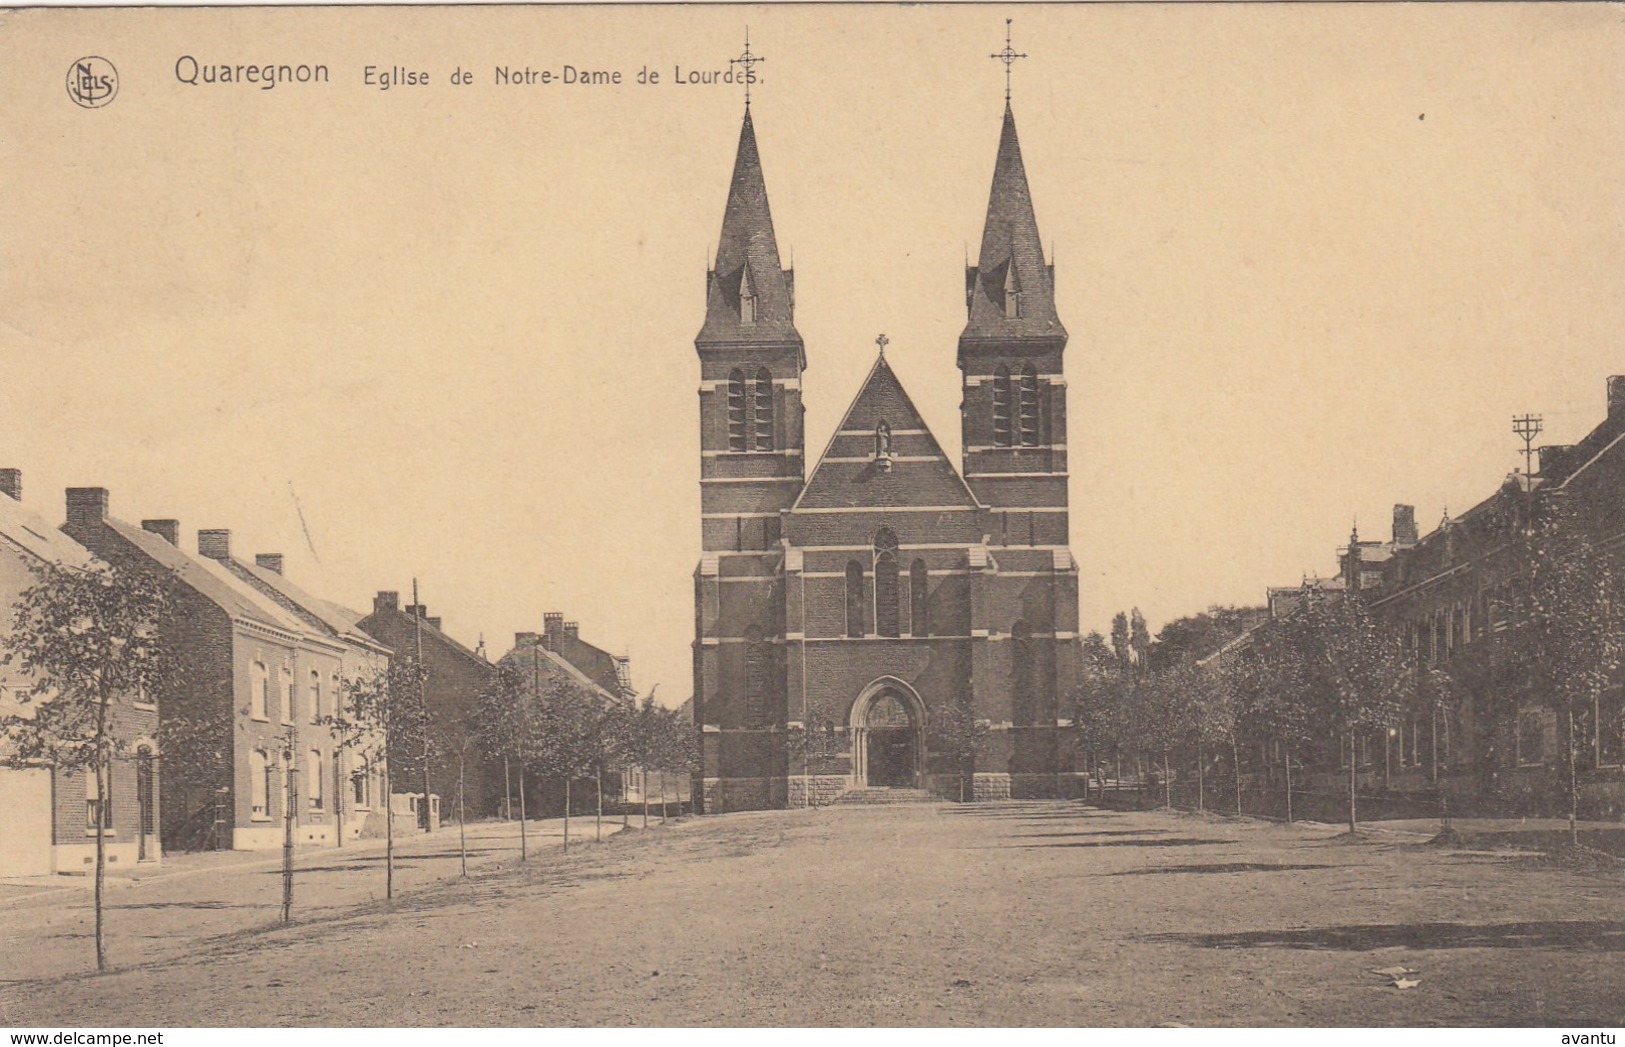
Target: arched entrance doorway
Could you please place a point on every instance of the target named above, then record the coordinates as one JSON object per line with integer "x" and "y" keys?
{"x": 888, "y": 736}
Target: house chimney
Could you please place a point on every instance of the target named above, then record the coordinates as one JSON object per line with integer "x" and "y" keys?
{"x": 1405, "y": 525}
{"x": 386, "y": 601}
{"x": 215, "y": 544}
{"x": 432, "y": 621}
{"x": 11, "y": 484}
{"x": 1552, "y": 457}
{"x": 571, "y": 629}
{"x": 168, "y": 530}
{"x": 553, "y": 623}
{"x": 1616, "y": 396}
{"x": 87, "y": 506}
{"x": 269, "y": 561}
{"x": 526, "y": 639}
{"x": 415, "y": 610}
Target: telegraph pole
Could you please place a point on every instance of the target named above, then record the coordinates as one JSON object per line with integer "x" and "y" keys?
{"x": 1528, "y": 426}
{"x": 423, "y": 700}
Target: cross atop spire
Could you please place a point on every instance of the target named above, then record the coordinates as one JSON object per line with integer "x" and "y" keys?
{"x": 882, "y": 342}
{"x": 748, "y": 60}
{"x": 1008, "y": 56}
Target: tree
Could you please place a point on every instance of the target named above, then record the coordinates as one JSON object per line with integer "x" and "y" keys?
{"x": 1273, "y": 683}
{"x": 88, "y": 640}
{"x": 380, "y": 711}
{"x": 506, "y": 723}
{"x": 609, "y": 741}
{"x": 960, "y": 736}
{"x": 1098, "y": 698}
{"x": 567, "y": 746}
{"x": 813, "y": 742}
{"x": 1364, "y": 671}
{"x": 1574, "y": 630}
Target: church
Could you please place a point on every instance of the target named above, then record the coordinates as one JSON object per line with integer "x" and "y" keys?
{"x": 885, "y": 592}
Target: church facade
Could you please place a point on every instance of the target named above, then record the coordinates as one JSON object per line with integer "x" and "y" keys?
{"x": 885, "y": 597}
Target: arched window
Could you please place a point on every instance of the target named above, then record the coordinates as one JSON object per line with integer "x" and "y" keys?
{"x": 1021, "y": 667}
{"x": 736, "y": 412}
{"x": 1029, "y": 406}
{"x": 856, "y": 599}
{"x": 260, "y": 691}
{"x": 757, "y": 681}
{"x": 313, "y": 776}
{"x": 259, "y": 783}
{"x": 1001, "y": 407}
{"x": 764, "y": 410}
{"x": 1012, "y": 292}
{"x": 919, "y": 595}
{"x": 747, "y": 297}
{"x": 886, "y": 611}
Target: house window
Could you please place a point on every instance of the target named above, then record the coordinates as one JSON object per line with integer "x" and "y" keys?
{"x": 316, "y": 710}
{"x": 764, "y": 410}
{"x": 313, "y": 776}
{"x": 1002, "y": 431}
{"x": 1611, "y": 727}
{"x": 1531, "y": 738}
{"x": 292, "y": 692}
{"x": 260, "y": 691}
{"x": 919, "y": 585}
{"x": 1029, "y": 406}
{"x": 97, "y": 810}
{"x": 736, "y": 412}
{"x": 259, "y": 782}
{"x": 856, "y": 599}
{"x": 886, "y": 583}
{"x": 358, "y": 787}
{"x": 146, "y": 788}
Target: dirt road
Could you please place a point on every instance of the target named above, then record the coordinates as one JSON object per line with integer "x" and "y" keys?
{"x": 1014, "y": 914}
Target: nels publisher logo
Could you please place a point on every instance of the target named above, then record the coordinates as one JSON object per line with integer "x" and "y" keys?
{"x": 92, "y": 82}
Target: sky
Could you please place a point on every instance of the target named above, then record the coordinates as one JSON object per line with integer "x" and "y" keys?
{"x": 1312, "y": 259}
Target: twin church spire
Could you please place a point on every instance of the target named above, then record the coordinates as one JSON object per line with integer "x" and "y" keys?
{"x": 1009, "y": 293}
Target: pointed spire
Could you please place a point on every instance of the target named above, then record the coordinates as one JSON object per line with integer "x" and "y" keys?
{"x": 748, "y": 292}
{"x": 1011, "y": 259}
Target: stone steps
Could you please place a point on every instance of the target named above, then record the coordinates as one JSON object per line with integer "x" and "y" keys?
{"x": 880, "y": 795}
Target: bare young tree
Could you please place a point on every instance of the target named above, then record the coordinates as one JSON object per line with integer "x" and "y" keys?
{"x": 88, "y": 641}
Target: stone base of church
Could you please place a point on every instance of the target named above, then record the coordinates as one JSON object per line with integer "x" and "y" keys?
{"x": 822, "y": 788}
{"x": 720, "y": 795}
{"x": 988, "y": 785}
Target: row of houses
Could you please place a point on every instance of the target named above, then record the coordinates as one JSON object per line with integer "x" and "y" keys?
{"x": 1449, "y": 593}
{"x": 240, "y": 744}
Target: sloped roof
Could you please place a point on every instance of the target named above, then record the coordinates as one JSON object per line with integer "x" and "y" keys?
{"x": 1010, "y": 243}
{"x": 748, "y": 257}
{"x": 525, "y": 657}
{"x": 29, "y": 532}
{"x": 922, "y": 477}
{"x": 315, "y": 611}
{"x": 210, "y": 580}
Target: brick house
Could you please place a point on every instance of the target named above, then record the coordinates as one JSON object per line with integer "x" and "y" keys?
{"x": 890, "y": 584}
{"x": 456, "y": 678}
{"x": 540, "y": 661}
{"x": 49, "y": 816}
{"x": 252, "y": 674}
{"x": 1451, "y": 591}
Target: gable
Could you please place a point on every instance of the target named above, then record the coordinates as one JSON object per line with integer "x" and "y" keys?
{"x": 918, "y": 473}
